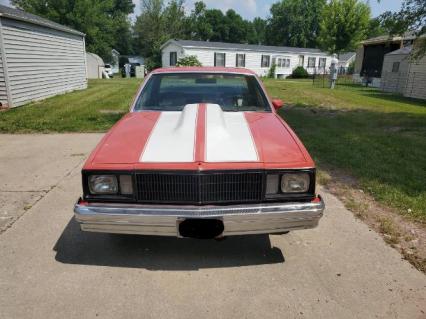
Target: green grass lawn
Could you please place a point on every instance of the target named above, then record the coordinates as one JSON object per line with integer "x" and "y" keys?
{"x": 376, "y": 137}
{"x": 93, "y": 110}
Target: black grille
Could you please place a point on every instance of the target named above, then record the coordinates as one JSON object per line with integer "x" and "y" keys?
{"x": 199, "y": 187}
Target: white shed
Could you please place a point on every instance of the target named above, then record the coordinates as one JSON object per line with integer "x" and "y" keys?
{"x": 404, "y": 74}
{"x": 258, "y": 58}
{"x": 416, "y": 81}
{"x": 95, "y": 66}
{"x": 38, "y": 58}
{"x": 395, "y": 70}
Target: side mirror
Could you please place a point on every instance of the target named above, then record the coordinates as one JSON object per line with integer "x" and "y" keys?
{"x": 277, "y": 103}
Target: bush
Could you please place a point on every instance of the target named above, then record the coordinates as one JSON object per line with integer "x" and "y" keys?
{"x": 271, "y": 73}
{"x": 188, "y": 61}
{"x": 300, "y": 73}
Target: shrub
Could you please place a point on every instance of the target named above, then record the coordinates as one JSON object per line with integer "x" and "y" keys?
{"x": 190, "y": 60}
{"x": 300, "y": 73}
{"x": 271, "y": 73}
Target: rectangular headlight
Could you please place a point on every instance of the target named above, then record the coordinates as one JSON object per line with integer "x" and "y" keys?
{"x": 103, "y": 184}
{"x": 295, "y": 183}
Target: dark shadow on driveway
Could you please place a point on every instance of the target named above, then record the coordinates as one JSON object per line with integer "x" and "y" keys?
{"x": 162, "y": 253}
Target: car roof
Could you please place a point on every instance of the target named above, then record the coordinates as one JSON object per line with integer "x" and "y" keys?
{"x": 202, "y": 70}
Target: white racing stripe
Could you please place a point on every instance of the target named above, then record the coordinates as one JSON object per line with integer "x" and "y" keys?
{"x": 172, "y": 138}
{"x": 228, "y": 137}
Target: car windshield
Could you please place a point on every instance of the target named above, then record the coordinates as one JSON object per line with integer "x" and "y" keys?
{"x": 233, "y": 92}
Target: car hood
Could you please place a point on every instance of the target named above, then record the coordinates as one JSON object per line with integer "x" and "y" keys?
{"x": 201, "y": 136}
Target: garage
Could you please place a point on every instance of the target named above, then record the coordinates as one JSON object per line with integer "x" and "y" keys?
{"x": 38, "y": 58}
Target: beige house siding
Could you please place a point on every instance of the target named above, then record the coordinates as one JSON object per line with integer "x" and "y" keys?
{"x": 416, "y": 82}
{"x": 395, "y": 81}
{"x": 41, "y": 61}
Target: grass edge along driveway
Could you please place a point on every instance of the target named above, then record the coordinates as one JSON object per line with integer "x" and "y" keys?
{"x": 376, "y": 137}
{"x": 95, "y": 109}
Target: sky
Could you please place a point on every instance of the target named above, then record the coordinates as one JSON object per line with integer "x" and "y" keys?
{"x": 250, "y": 9}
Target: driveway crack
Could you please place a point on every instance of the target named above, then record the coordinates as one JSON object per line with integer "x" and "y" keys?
{"x": 42, "y": 193}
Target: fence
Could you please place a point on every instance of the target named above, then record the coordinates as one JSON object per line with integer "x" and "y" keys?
{"x": 322, "y": 80}
{"x": 410, "y": 84}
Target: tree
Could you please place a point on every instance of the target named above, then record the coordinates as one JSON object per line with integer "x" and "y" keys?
{"x": 150, "y": 32}
{"x": 236, "y": 27}
{"x": 375, "y": 28}
{"x": 259, "y": 26}
{"x": 196, "y": 25}
{"x": 255, "y": 31}
{"x": 411, "y": 17}
{"x": 123, "y": 40}
{"x": 216, "y": 20}
{"x": 155, "y": 25}
{"x": 101, "y": 20}
{"x": 212, "y": 25}
{"x": 344, "y": 24}
{"x": 295, "y": 23}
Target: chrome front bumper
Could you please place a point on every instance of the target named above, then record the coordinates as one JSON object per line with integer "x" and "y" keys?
{"x": 163, "y": 220}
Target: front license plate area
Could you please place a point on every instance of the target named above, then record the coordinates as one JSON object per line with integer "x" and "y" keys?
{"x": 200, "y": 228}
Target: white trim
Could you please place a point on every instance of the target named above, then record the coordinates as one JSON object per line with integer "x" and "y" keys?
{"x": 266, "y": 52}
{"x": 46, "y": 24}
{"x": 242, "y": 49}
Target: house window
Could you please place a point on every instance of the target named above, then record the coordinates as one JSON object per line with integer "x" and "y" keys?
{"x": 322, "y": 62}
{"x": 395, "y": 67}
{"x": 301, "y": 60}
{"x": 287, "y": 63}
{"x": 282, "y": 62}
{"x": 240, "y": 61}
{"x": 173, "y": 58}
{"x": 219, "y": 59}
{"x": 312, "y": 62}
{"x": 266, "y": 61}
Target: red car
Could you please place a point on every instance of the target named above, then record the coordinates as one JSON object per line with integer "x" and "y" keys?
{"x": 202, "y": 154}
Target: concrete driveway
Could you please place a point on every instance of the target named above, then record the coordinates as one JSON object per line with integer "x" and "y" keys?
{"x": 49, "y": 269}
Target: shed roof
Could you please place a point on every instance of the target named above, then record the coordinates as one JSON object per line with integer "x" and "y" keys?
{"x": 95, "y": 57}
{"x": 21, "y": 15}
{"x": 390, "y": 38}
{"x": 239, "y": 46}
{"x": 403, "y": 51}
{"x": 344, "y": 57}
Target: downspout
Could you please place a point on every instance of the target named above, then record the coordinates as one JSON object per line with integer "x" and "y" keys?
{"x": 5, "y": 72}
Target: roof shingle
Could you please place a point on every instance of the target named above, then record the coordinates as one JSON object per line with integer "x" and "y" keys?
{"x": 18, "y": 14}
{"x": 239, "y": 46}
